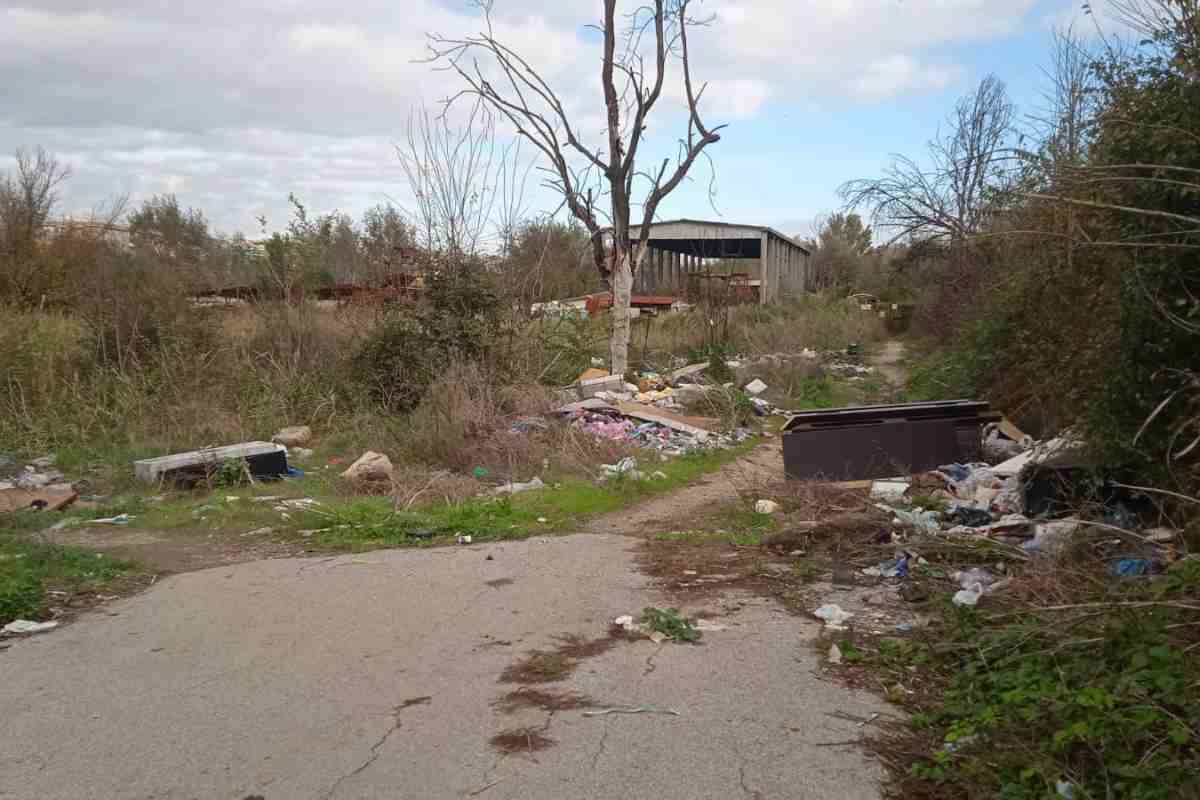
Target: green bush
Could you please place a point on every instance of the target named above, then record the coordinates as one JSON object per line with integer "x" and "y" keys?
{"x": 458, "y": 319}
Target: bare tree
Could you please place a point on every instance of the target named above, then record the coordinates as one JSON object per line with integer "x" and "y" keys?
{"x": 509, "y": 84}
{"x": 27, "y": 197}
{"x": 948, "y": 200}
{"x": 450, "y": 172}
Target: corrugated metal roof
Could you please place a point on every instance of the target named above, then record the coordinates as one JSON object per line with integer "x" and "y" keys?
{"x": 723, "y": 224}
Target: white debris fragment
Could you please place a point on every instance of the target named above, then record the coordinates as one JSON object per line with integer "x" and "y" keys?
{"x": 766, "y": 507}
{"x": 755, "y": 387}
{"x": 888, "y": 490}
{"x": 28, "y": 626}
{"x": 835, "y": 618}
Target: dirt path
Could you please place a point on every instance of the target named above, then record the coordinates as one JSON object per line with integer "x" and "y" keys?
{"x": 761, "y": 468}
{"x": 888, "y": 362}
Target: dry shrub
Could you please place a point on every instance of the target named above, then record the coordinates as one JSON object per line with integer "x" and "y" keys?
{"x": 412, "y": 485}
{"x": 543, "y": 700}
{"x": 467, "y": 414}
{"x": 521, "y": 740}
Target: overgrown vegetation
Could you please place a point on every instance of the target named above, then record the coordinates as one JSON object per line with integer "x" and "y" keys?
{"x": 29, "y": 570}
{"x": 1056, "y": 264}
{"x": 1097, "y": 692}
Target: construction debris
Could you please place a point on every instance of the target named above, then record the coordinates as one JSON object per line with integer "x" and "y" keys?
{"x": 755, "y": 387}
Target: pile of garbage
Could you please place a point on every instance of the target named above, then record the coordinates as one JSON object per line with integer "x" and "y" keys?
{"x": 1013, "y": 502}
{"x": 609, "y": 423}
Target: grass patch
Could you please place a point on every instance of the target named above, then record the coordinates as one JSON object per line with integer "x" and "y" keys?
{"x": 670, "y": 623}
{"x": 29, "y": 570}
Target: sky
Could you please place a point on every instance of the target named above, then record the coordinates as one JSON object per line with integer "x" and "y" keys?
{"x": 232, "y": 105}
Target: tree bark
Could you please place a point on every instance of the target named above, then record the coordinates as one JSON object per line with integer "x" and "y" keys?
{"x": 622, "y": 283}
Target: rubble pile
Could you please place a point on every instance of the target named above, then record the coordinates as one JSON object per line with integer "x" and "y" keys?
{"x": 610, "y": 423}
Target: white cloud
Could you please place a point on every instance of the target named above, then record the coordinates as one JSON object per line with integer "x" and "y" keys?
{"x": 234, "y": 103}
{"x": 900, "y": 74}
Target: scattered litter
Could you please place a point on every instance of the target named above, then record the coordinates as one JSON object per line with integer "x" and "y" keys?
{"x": 1135, "y": 567}
{"x": 755, "y": 387}
{"x": 517, "y": 488}
{"x": 461, "y": 539}
{"x": 1162, "y": 535}
{"x": 27, "y": 626}
{"x": 708, "y": 626}
{"x": 625, "y": 465}
{"x": 835, "y": 654}
{"x": 835, "y": 618}
{"x": 542, "y": 520}
{"x": 300, "y": 452}
{"x": 968, "y": 597}
{"x": 298, "y": 503}
{"x": 633, "y": 710}
{"x": 959, "y": 743}
{"x": 658, "y": 474}
{"x": 1049, "y": 537}
{"x": 766, "y": 507}
{"x": 1065, "y": 789}
{"x": 658, "y": 637}
{"x": 119, "y": 519}
{"x": 970, "y": 517}
{"x": 888, "y": 490}
{"x": 259, "y": 532}
{"x": 923, "y": 521}
{"x": 1063, "y": 451}
{"x": 897, "y": 568}
{"x": 968, "y": 578}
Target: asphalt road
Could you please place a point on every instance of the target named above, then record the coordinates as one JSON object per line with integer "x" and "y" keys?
{"x": 304, "y": 678}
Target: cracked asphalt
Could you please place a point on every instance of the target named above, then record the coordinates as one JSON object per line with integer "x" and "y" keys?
{"x": 374, "y": 675}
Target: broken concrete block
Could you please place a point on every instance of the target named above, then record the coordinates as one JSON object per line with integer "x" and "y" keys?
{"x": 370, "y": 466}
{"x": 293, "y": 436}
{"x": 766, "y": 507}
{"x": 755, "y": 386}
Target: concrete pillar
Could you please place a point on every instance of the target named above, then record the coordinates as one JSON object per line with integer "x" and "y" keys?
{"x": 763, "y": 270}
